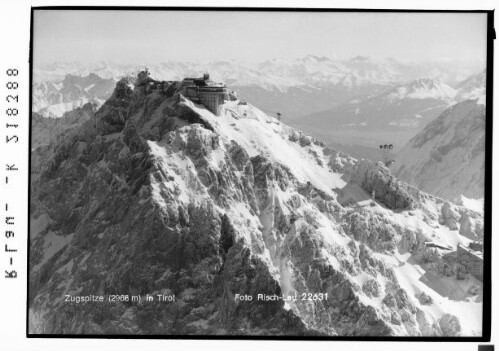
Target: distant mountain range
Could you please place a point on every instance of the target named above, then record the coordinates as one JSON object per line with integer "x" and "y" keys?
{"x": 54, "y": 98}
{"x": 393, "y": 116}
{"x": 403, "y": 106}
{"x": 296, "y": 88}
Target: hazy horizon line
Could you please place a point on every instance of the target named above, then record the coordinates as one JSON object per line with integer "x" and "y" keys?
{"x": 439, "y": 60}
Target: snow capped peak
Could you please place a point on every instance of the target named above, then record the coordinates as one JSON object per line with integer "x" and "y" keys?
{"x": 472, "y": 88}
{"x": 424, "y": 88}
{"x": 275, "y": 74}
{"x": 313, "y": 58}
{"x": 245, "y": 201}
{"x": 477, "y": 79}
{"x": 53, "y": 99}
{"x": 360, "y": 58}
{"x": 424, "y": 83}
{"x": 276, "y": 61}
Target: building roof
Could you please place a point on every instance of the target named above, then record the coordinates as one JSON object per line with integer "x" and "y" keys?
{"x": 204, "y": 82}
{"x": 437, "y": 245}
{"x": 476, "y": 254}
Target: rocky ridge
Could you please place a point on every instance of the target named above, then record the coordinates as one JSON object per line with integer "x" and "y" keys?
{"x": 447, "y": 158}
{"x": 46, "y": 129}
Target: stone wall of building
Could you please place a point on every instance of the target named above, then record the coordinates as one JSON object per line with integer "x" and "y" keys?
{"x": 204, "y": 91}
{"x": 471, "y": 260}
{"x": 212, "y": 99}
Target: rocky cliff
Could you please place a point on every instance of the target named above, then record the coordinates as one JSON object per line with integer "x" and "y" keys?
{"x": 44, "y": 130}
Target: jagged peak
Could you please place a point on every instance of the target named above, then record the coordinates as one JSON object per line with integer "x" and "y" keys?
{"x": 423, "y": 88}
{"x": 314, "y": 58}
{"x": 425, "y": 82}
{"x": 360, "y": 58}
{"x": 477, "y": 79}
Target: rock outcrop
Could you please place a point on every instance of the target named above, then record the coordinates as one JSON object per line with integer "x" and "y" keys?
{"x": 377, "y": 179}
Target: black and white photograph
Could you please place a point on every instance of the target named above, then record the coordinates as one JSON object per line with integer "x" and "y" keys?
{"x": 259, "y": 173}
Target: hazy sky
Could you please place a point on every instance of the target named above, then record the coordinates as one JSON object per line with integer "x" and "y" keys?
{"x": 155, "y": 36}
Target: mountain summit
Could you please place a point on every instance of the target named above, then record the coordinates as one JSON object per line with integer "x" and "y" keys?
{"x": 156, "y": 195}
{"x": 473, "y": 88}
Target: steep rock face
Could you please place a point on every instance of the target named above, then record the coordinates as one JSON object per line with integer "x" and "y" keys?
{"x": 159, "y": 196}
{"x": 112, "y": 115}
{"x": 447, "y": 157}
{"x": 45, "y": 129}
{"x": 449, "y": 325}
{"x": 450, "y": 217}
{"x": 469, "y": 223}
{"x": 377, "y": 179}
